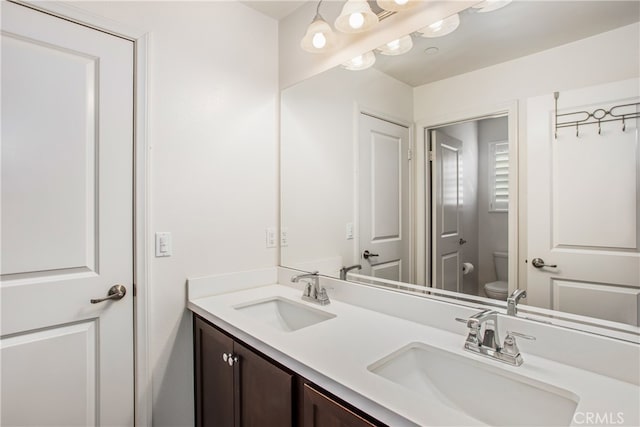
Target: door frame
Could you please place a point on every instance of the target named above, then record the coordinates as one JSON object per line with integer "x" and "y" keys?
{"x": 423, "y": 185}
{"x": 142, "y": 374}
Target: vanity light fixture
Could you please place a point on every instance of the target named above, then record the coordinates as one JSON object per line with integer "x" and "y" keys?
{"x": 441, "y": 28}
{"x": 319, "y": 37}
{"x": 396, "y": 5}
{"x": 356, "y": 17}
{"x": 360, "y": 62}
{"x": 490, "y": 5}
{"x": 397, "y": 46}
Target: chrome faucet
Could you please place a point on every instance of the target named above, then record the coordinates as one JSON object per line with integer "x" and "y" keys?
{"x": 313, "y": 292}
{"x": 513, "y": 300}
{"x": 483, "y": 338}
{"x": 345, "y": 270}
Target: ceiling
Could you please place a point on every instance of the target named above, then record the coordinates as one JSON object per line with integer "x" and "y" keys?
{"x": 275, "y": 9}
{"x": 522, "y": 28}
{"x": 519, "y": 29}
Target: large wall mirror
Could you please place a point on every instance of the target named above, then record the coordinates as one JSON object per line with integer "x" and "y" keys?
{"x": 503, "y": 155}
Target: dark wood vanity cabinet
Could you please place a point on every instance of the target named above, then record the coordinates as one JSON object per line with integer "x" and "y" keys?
{"x": 214, "y": 378}
{"x": 236, "y": 386}
{"x": 321, "y": 410}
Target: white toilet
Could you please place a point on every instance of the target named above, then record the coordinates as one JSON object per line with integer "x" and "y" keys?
{"x": 500, "y": 288}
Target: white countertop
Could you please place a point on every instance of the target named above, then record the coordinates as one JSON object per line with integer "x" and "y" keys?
{"x": 335, "y": 354}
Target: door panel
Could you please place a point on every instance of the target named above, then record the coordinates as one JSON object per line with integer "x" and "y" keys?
{"x": 450, "y": 210}
{"x": 578, "y": 175}
{"x": 385, "y": 187}
{"x": 262, "y": 406}
{"x": 214, "y": 377}
{"x": 604, "y": 301}
{"x": 388, "y": 270}
{"x": 65, "y": 162}
{"x": 67, "y": 232}
{"x": 447, "y": 211}
{"x": 384, "y": 190}
{"x": 69, "y": 365}
{"x": 322, "y": 411}
{"x": 450, "y": 267}
{"x": 584, "y": 209}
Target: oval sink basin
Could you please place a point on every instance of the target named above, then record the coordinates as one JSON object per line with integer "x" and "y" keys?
{"x": 489, "y": 394}
{"x": 284, "y": 314}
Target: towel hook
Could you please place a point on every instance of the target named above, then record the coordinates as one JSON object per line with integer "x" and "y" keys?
{"x": 624, "y": 125}
{"x": 577, "y": 130}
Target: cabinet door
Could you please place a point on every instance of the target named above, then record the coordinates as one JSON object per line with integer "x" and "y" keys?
{"x": 322, "y": 411}
{"x": 266, "y": 391}
{"x": 213, "y": 377}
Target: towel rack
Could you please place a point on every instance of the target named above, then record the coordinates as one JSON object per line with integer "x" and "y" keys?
{"x": 598, "y": 116}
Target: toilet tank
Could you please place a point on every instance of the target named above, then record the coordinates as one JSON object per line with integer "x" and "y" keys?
{"x": 501, "y": 262}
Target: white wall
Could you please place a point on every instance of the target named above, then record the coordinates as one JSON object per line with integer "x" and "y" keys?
{"x": 494, "y": 226}
{"x": 319, "y": 128}
{"x": 468, "y": 133}
{"x": 213, "y": 92}
{"x": 607, "y": 57}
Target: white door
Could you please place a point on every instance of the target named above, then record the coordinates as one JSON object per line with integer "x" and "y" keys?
{"x": 67, "y": 126}
{"x": 384, "y": 190}
{"x": 447, "y": 206}
{"x": 583, "y": 206}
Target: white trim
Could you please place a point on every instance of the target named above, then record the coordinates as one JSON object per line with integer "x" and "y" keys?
{"x": 143, "y": 374}
{"x": 143, "y": 404}
{"x": 423, "y": 181}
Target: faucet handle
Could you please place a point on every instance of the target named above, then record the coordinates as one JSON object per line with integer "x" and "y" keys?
{"x": 521, "y": 335}
{"x": 511, "y": 347}
{"x": 473, "y": 332}
{"x": 470, "y": 322}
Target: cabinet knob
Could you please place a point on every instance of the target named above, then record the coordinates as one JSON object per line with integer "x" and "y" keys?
{"x": 229, "y": 358}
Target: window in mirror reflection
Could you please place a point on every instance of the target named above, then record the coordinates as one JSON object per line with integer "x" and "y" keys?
{"x": 498, "y": 176}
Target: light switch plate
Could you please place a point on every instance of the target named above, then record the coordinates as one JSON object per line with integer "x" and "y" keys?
{"x": 349, "y": 231}
{"x": 163, "y": 244}
{"x": 271, "y": 237}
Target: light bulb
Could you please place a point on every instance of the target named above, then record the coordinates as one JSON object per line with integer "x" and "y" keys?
{"x": 319, "y": 40}
{"x": 437, "y": 26}
{"x": 394, "y": 45}
{"x": 360, "y": 62}
{"x": 356, "y": 20}
{"x": 400, "y": 2}
{"x": 442, "y": 27}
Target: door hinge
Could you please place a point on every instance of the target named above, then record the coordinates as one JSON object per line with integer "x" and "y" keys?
{"x": 409, "y": 154}
{"x": 431, "y": 156}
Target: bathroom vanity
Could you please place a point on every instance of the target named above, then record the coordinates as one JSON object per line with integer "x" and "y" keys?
{"x": 234, "y": 381}
{"x": 378, "y": 357}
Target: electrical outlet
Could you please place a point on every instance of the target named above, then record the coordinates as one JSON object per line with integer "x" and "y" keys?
{"x": 284, "y": 237}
